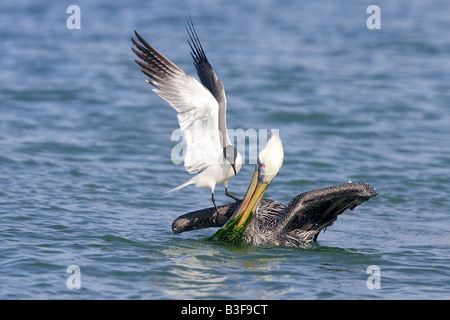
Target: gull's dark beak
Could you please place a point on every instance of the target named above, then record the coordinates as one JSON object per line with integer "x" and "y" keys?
{"x": 234, "y": 168}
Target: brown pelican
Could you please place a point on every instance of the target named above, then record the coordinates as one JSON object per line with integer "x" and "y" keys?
{"x": 201, "y": 111}
{"x": 268, "y": 222}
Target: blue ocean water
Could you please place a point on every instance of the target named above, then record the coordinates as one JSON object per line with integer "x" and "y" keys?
{"x": 85, "y": 148}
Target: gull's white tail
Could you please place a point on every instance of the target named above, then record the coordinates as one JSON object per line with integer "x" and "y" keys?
{"x": 183, "y": 185}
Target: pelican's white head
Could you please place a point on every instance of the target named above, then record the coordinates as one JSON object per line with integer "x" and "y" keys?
{"x": 270, "y": 159}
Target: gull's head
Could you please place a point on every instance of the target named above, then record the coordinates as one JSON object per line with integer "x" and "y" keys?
{"x": 233, "y": 157}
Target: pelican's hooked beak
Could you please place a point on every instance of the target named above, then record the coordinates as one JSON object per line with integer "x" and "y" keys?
{"x": 252, "y": 198}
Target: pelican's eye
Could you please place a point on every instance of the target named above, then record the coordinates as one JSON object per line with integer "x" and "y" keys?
{"x": 261, "y": 169}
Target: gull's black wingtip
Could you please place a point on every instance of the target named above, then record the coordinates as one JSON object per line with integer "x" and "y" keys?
{"x": 137, "y": 36}
{"x": 189, "y": 19}
{"x": 141, "y": 40}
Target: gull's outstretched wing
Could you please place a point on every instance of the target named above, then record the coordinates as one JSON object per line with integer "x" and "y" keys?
{"x": 198, "y": 110}
{"x": 310, "y": 212}
{"x": 209, "y": 79}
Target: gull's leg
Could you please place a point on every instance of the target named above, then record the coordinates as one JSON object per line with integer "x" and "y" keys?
{"x": 229, "y": 195}
{"x": 214, "y": 202}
